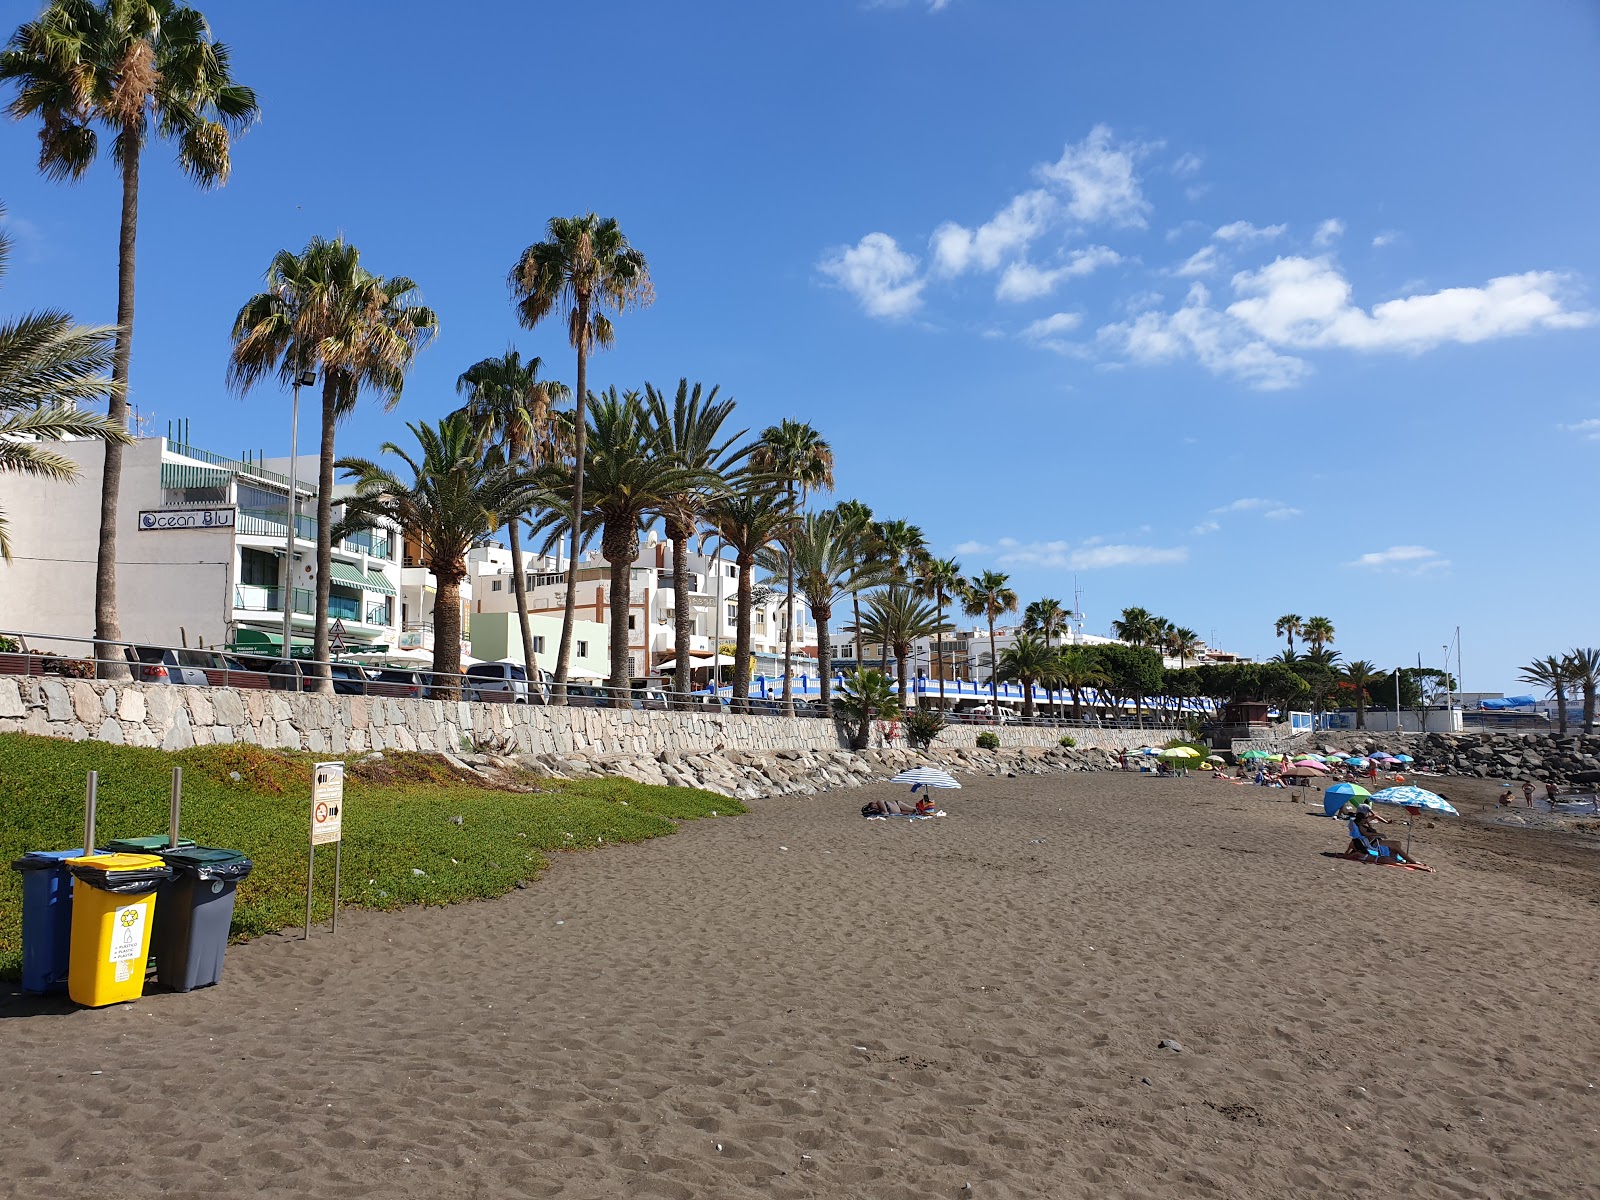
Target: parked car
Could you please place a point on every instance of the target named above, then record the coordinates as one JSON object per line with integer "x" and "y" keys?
{"x": 650, "y": 697}
{"x": 160, "y": 664}
{"x": 397, "y": 681}
{"x": 587, "y": 695}
{"x": 505, "y": 683}
{"x": 289, "y": 675}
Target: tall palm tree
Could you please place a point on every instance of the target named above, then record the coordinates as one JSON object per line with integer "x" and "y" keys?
{"x": 796, "y": 455}
{"x": 587, "y": 269}
{"x": 511, "y": 408}
{"x": 1047, "y": 618}
{"x": 749, "y": 518}
{"x": 1027, "y": 660}
{"x": 1360, "y": 675}
{"x": 48, "y": 366}
{"x": 626, "y": 485}
{"x": 859, "y": 515}
{"x": 899, "y": 545}
{"x": 1180, "y": 643}
{"x": 127, "y": 68}
{"x": 1318, "y": 631}
{"x": 453, "y": 502}
{"x": 688, "y": 433}
{"x": 1076, "y": 671}
{"x": 822, "y": 551}
{"x": 1137, "y": 627}
{"x": 940, "y": 580}
{"x": 1289, "y": 626}
{"x": 1555, "y": 676}
{"x": 323, "y": 309}
{"x": 989, "y": 596}
{"x": 898, "y": 618}
{"x": 1584, "y": 667}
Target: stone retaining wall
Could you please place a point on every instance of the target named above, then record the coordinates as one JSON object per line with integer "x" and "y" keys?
{"x": 175, "y": 718}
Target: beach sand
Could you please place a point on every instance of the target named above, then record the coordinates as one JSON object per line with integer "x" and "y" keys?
{"x": 801, "y": 1003}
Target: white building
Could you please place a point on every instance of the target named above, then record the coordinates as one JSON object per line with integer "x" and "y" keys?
{"x": 201, "y": 554}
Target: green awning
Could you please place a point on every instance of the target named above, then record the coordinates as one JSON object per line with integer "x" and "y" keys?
{"x": 258, "y": 641}
{"x": 345, "y": 573}
{"x": 377, "y": 583}
{"x": 185, "y": 475}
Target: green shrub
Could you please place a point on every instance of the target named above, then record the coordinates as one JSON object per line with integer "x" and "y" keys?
{"x": 1067, "y": 740}
{"x": 9, "y": 645}
{"x": 922, "y": 725}
{"x": 988, "y": 740}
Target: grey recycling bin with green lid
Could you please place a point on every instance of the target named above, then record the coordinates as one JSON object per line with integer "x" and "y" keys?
{"x": 194, "y": 914}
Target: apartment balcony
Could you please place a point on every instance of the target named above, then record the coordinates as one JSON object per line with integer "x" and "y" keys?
{"x": 666, "y": 638}
{"x": 259, "y": 601}
{"x": 698, "y": 585}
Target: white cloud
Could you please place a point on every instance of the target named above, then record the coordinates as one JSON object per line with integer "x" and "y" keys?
{"x": 1305, "y": 302}
{"x": 1202, "y": 262}
{"x": 1199, "y": 530}
{"x": 1128, "y": 556}
{"x": 1248, "y": 504}
{"x": 1054, "y": 326}
{"x": 957, "y": 249}
{"x": 1328, "y": 232}
{"x": 1092, "y": 554}
{"x": 1387, "y": 237}
{"x": 1198, "y": 331}
{"x": 1098, "y": 177}
{"x": 1183, "y": 167}
{"x": 1409, "y": 559}
{"x": 1024, "y": 281}
{"x": 1272, "y": 514}
{"x": 1243, "y": 231}
{"x": 877, "y": 273}
{"x": 1588, "y": 429}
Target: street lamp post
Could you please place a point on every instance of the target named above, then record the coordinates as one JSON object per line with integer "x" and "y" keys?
{"x": 302, "y": 378}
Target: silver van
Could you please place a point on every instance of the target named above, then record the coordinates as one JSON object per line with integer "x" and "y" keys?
{"x": 504, "y": 683}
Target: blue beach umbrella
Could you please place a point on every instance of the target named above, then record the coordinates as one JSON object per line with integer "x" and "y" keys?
{"x": 926, "y": 777}
{"x": 1397, "y": 757}
{"x": 1334, "y": 798}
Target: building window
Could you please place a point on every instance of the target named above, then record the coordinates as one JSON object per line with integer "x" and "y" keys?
{"x": 538, "y": 648}
{"x": 257, "y": 568}
{"x": 494, "y": 585}
{"x": 733, "y": 614}
{"x": 733, "y": 572}
{"x": 583, "y": 649}
{"x": 630, "y": 626}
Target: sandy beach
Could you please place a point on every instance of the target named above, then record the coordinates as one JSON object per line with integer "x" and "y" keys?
{"x": 801, "y": 1003}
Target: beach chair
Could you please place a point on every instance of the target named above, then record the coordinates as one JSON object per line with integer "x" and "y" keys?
{"x": 1357, "y": 838}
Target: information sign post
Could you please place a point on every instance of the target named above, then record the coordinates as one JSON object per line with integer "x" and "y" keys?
{"x": 327, "y": 825}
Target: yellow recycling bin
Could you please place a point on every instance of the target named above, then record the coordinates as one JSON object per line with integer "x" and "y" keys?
{"x": 113, "y": 906}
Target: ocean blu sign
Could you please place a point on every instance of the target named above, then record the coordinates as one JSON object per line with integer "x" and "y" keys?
{"x": 187, "y": 518}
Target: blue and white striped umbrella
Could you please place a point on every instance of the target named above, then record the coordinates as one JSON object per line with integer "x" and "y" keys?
{"x": 1414, "y": 797}
{"x": 930, "y": 777}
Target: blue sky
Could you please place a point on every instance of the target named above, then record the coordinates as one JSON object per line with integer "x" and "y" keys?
{"x": 1225, "y": 311}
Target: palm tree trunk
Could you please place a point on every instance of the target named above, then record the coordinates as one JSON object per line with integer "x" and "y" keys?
{"x": 683, "y": 628}
{"x": 1561, "y": 710}
{"x": 741, "y": 635}
{"x": 824, "y": 659}
{"x": 901, "y": 675}
{"x": 855, "y": 602}
{"x": 107, "y": 627}
{"x": 1027, "y": 697}
{"x": 788, "y": 616}
{"x": 519, "y": 585}
{"x": 446, "y": 629}
{"x": 580, "y": 430}
{"x": 1588, "y": 703}
{"x": 319, "y": 639}
{"x": 621, "y": 579}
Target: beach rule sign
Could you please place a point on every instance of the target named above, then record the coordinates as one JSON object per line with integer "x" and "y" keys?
{"x": 327, "y": 804}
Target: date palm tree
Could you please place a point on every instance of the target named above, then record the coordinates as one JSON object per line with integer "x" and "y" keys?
{"x": 688, "y": 433}
{"x": 859, "y": 516}
{"x": 898, "y": 618}
{"x": 453, "y": 502}
{"x": 749, "y": 517}
{"x": 940, "y": 580}
{"x": 1289, "y": 626}
{"x": 866, "y": 696}
{"x": 1047, "y": 618}
{"x": 1556, "y": 677}
{"x": 796, "y": 455}
{"x": 1136, "y": 626}
{"x": 323, "y": 310}
{"x": 1076, "y": 671}
{"x": 587, "y": 269}
{"x": 989, "y": 596}
{"x": 1027, "y": 660}
{"x": 511, "y": 407}
{"x": 900, "y": 546}
{"x": 1180, "y": 643}
{"x": 48, "y": 366}
{"x": 1584, "y": 667}
{"x": 1318, "y": 632}
{"x": 1360, "y": 675}
{"x": 129, "y": 69}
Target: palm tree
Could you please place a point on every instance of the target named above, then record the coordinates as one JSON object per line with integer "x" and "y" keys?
{"x": 510, "y": 406}
{"x": 863, "y": 696}
{"x": 940, "y": 580}
{"x": 795, "y": 454}
{"x": 1318, "y": 631}
{"x": 128, "y": 68}
{"x": 1555, "y": 676}
{"x": 900, "y": 546}
{"x": 822, "y": 550}
{"x": 453, "y": 502}
{"x": 587, "y": 268}
{"x": 1047, "y": 618}
{"x": 749, "y": 518}
{"x": 1179, "y": 643}
{"x": 898, "y": 618}
{"x": 859, "y": 517}
{"x": 1584, "y": 668}
{"x": 1360, "y": 675}
{"x": 989, "y": 596}
{"x": 688, "y": 433}
{"x": 1076, "y": 671}
{"x": 48, "y": 366}
{"x": 1137, "y": 627}
{"x": 322, "y": 308}
{"x": 1027, "y": 660}
{"x": 626, "y": 484}
{"x": 1289, "y": 626}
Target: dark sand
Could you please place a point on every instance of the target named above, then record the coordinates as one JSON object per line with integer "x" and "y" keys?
{"x": 801, "y": 1003}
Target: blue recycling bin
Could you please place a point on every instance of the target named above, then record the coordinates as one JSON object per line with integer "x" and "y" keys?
{"x": 46, "y": 918}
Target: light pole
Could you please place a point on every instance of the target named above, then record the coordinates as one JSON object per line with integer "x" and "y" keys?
{"x": 302, "y": 378}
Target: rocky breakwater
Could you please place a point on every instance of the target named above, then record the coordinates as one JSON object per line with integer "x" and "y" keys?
{"x": 756, "y": 774}
{"x": 1571, "y": 759}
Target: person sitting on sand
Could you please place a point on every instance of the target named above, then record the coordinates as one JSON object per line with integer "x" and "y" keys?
{"x": 897, "y": 808}
{"x": 1365, "y": 838}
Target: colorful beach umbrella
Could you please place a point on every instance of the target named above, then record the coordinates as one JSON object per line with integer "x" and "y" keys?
{"x": 1252, "y": 755}
{"x": 1397, "y": 757}
{"x": 1340, "y": 794}
{"x": 1180, "y": 752}
{"x": 928, "y": 777}
{"x": 1319, "y": 767}
{"x": 1415, "y": 797}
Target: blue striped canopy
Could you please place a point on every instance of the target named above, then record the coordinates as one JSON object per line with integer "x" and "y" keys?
{"x": 927, "y": 777}
{"x": 1414, "y": 797}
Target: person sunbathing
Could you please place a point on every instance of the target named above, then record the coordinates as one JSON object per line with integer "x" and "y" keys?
{"x": 1366, "y": 841}
{"x": 897, "y": 808}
